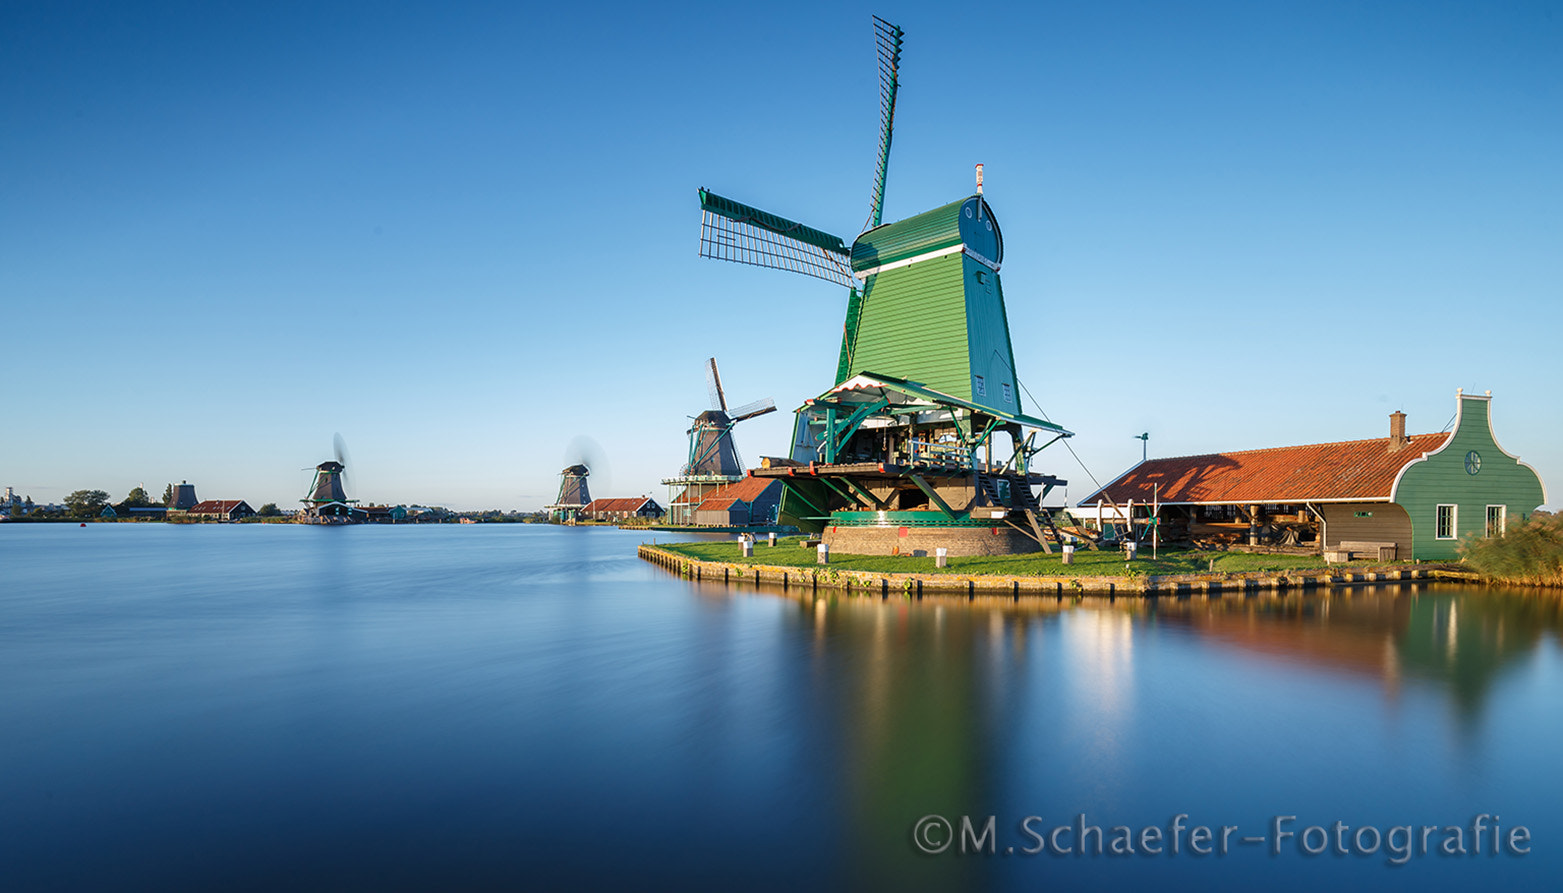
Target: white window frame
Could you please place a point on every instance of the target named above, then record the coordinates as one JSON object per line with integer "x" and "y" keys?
{"x": 1503, "y": 520}
{"x": 1454, "y": 521}
{"x": 979, "y": 386}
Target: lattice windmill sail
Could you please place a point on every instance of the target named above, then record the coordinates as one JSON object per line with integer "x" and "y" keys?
{"x": 735, "y": 231}
{"x": 926, "y": 356}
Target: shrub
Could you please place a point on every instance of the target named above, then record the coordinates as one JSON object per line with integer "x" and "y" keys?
{"x": 1529, "y": 554}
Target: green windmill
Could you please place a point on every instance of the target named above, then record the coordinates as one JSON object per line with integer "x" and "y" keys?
{"x": 925, "y": 380}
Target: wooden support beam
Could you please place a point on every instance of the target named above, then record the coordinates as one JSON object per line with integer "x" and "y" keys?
{"x": 1037, "y": 528}
{"x": 849, "y": 497}
{"x": 933, "y": 496}
{"x": 863, "y": 492}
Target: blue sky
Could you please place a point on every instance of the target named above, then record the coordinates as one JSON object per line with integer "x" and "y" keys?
{"x": 463, "y": 236}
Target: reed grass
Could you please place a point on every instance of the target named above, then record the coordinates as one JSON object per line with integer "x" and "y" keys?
{"x": 1528, "y": 554}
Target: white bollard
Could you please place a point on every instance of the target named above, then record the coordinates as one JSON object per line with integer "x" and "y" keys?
{"x": 822, "y": 553}
{"x": 1132, "y": 548}
{"x": 748, "y": 544}
{"x": 773, "y": 538}
{"x": 941, "y": 557}
{"x": 1069, "y": 553}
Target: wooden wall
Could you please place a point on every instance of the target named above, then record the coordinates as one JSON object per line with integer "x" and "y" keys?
{"x": 1389, "y": 524}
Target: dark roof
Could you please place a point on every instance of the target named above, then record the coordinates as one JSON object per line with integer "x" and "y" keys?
{"x": 214, "y": 506}
{"x": 1350, "y": 470}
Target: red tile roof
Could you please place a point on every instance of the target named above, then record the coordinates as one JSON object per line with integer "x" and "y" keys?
{"x": 627, "y": 504}
{"x": 1354, "y": 469}
{"x": 749, "y": 489}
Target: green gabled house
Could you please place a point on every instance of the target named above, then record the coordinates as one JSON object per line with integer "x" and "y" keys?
{"x": 1469, "y": 486}
{"x": 1398, "y": 497}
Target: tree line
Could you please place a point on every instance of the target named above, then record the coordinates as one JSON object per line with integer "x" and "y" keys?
{"x": 82, "y": 504}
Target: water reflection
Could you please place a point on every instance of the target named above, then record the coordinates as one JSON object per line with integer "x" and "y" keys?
{"x": 509, "y": 706}
{"x": 1458, "y": 639}
{"x": 957, "y": 706}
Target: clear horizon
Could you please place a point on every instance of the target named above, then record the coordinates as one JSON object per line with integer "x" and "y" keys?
{"x": 463, "y": 238}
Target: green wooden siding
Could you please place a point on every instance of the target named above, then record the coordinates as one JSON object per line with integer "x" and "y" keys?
{"x": 848, "y": 336}
{"x": 912, "y": 325}
{"x": 988, "y": 327}
{"x": 1442, "y": 479}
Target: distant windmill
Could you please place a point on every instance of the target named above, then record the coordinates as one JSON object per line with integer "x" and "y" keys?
{"x": 713, "y": 458}
{"x": 584, "y": 455}
{"x": 327, "y": 501}
{"x": 711, "y": 447}
{"x": 573, "y": 493}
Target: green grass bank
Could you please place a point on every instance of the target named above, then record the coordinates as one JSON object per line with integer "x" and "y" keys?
{"x": 1093, "y": 572}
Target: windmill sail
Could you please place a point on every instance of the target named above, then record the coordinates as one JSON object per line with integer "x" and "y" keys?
{"x": 714, "y": 386}
{"x": 750, "y": 410}
{"x": 734, "y": 231}
{"x": 888, "y": 38}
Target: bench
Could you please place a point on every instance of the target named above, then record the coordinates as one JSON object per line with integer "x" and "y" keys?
{"x": 1359, "y": 549}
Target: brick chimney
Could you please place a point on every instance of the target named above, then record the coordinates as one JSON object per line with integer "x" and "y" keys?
{"x": 1397, "y": 432}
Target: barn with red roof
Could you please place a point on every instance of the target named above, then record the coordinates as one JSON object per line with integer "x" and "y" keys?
{"x": 1399, "y": 497}
{"x": 623, "y": 509}
{"x": 746, "y": 502}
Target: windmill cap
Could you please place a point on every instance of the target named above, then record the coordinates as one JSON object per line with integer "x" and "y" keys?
{"x": 966, "y": 224}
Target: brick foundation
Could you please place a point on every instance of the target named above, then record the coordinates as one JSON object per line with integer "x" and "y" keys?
{"x": 924, "y": 540}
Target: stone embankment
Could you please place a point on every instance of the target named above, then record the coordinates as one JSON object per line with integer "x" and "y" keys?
{"x": 879, "y": 583}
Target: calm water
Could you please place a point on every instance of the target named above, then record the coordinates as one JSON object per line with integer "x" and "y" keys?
{"x": 519, "y": 707}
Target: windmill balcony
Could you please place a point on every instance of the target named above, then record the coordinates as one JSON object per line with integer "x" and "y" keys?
{"x": 923, "y": 452}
